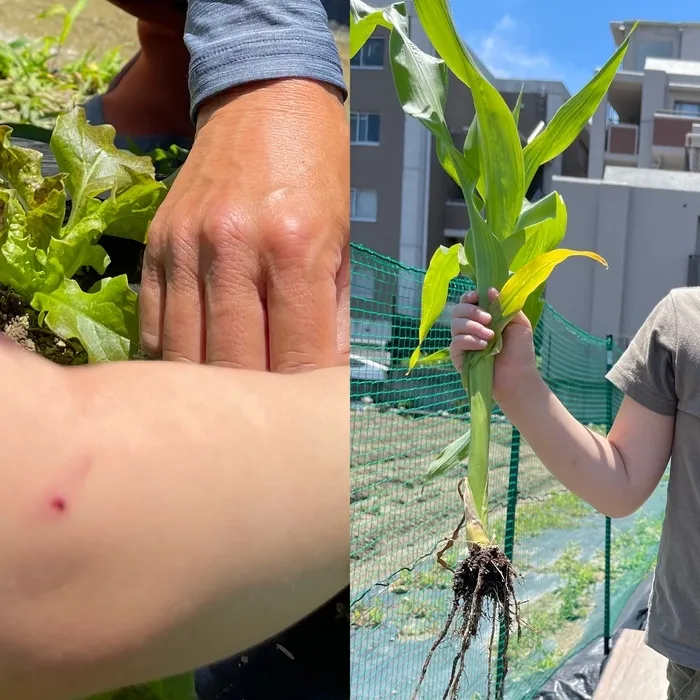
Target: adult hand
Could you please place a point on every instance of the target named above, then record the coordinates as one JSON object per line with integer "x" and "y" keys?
{"x": 247, "y": 262}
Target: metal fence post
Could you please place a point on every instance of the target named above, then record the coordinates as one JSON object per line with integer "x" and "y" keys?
{"x": 508, "y": 545}
{"x": 608, "y": 522}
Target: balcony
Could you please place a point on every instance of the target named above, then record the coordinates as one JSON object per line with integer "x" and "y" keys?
{"x": 456, "y": 218}
{"x": 670, "y": 130}
{"x": 622, "y": 144}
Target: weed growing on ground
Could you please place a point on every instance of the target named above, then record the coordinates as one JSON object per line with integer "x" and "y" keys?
{"x": 39, "y": 79}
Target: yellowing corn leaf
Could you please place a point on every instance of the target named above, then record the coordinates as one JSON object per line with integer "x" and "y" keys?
{"x": 364, "y": 19}
{"x": 443, "y": 268}
{"x": 439, "y": 357}
{"x": 529, "y": 277}
{"x": 571, "y": 118}
{"x": 501, "y": 156}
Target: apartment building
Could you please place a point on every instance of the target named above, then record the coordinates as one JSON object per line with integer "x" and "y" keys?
{"x": 403, "y": 204}
{"x": 640, "y": 206}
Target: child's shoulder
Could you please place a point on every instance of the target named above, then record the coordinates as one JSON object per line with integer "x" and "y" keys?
{"x": 685, "y": 305}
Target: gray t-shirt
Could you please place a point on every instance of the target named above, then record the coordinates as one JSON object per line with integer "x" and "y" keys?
{"x": 661, "y": 370}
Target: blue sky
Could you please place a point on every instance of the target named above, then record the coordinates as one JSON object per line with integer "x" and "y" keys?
{"x": 554, "y": 39}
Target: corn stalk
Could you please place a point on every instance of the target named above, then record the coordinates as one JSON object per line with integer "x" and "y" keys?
{"x": 511, "y": 244}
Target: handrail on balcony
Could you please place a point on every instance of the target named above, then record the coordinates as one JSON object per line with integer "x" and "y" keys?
{"x": 677, "y": 113}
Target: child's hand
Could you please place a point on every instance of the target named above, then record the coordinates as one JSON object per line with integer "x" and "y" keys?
{"x": 515, "y": 363}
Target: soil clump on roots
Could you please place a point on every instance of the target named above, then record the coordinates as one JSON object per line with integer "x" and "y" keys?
{"x": 483, "y": 589}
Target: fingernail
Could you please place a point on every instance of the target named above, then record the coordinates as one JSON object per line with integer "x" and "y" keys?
{"x": 482, "y": 343}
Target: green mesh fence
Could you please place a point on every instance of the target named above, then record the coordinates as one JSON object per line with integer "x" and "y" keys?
{"x": 558, "y": 543}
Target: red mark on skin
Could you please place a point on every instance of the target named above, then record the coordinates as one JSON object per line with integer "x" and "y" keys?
{"x": 69, "y": 481}
{"x": 59, "y": 504}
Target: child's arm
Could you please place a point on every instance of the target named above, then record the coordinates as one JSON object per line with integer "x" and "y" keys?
{"x": 614, "y": 474}
{"x": 159, "y": 516}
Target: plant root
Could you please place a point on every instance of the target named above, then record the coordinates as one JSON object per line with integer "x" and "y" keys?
{"x": 484, "y": 588}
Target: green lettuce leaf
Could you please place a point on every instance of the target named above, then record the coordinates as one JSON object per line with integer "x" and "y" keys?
{"x": 93, "y": 163}
{"x": 105, "y": 319}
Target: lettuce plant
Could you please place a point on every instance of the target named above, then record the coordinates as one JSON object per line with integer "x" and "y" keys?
{"x": 512, "y": 245}
{"x": 50, "y": 228}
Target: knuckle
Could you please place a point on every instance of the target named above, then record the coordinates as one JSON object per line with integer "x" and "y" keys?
{"x": 222, "y": 226}
{"x": 293, "y": 234}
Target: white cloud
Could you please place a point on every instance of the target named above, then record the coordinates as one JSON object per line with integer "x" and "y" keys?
{"x": 507, "y": 51}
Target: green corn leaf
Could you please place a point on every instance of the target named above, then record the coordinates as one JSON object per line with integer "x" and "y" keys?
{"x": 545, "y": 208}
{"x": 455, "y": 164}
{"x": 489, "y": 262}
{"x": 450, "y": 457}
{"x": 420, "y": 79}
{"x": 534, "y": 306}
{"x": 443, "y": 268}
{"x": 571, "y": 118}
{"x": 105, "y": 319}
{"x": 436, "y": 19}
{"x": 501, "y": 156}
{"x": 364, "y": 19}
{"x": 471, "y": 142}
{"x": 518, "y": 106}
{"x": 528, "y": 278}
{"x": 542, "y": 237}
{"x": 539, "y": 229}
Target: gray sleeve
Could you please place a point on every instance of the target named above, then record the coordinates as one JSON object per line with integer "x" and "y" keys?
{"x": 646, "y": 371}
{"x": 233, "y": 42}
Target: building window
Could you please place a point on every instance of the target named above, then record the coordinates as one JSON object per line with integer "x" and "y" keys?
{"x": 363, "y": 204}
{"x": 653, "y": 49}
{"x": 687, "y": 107}
{"x": 364, "y": 129}
{"x": 362, "y": 283}
{"x": 370, "y": 56}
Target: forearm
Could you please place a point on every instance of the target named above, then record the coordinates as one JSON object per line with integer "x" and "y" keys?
{"x": 186, "y": 514}
{"x": 585, "y": 462}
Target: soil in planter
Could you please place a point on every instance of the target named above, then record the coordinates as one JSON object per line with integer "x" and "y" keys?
{"x": 483, "y": 589}
{"x": 19, "y": 322}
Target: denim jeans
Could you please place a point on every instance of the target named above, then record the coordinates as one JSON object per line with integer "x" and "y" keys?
{"x": 309, "y": 661}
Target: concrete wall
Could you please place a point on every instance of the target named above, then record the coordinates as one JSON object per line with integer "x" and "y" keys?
{"x": 690, "y": 44}
{"x": 654, "y": 98}
{"x": 646, "y": 234}
{"x": 379, "y": 167}
{"x": 644, "y": 34}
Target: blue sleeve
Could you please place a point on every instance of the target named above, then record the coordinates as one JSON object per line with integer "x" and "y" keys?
{"x": 233, "y": 42}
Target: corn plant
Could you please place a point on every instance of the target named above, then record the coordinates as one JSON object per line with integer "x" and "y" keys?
{"x": 511, "y": 245}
